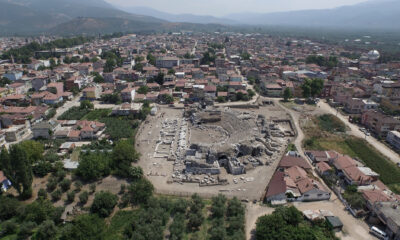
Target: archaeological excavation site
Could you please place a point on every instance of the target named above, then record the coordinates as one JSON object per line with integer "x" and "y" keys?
{"x": 215, "y": 149}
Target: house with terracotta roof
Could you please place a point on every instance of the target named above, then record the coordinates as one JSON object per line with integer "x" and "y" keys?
{"x": 291, "y": 181}
{"x": 291, "y": 161}
{"x": 322, "y": 168}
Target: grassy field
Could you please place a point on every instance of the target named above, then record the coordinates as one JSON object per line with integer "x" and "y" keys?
{"x": 319, "y": 138}
{"x": 97, "y": 114}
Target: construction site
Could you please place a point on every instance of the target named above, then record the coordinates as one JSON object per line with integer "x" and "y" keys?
{"x": 214, "y": 149}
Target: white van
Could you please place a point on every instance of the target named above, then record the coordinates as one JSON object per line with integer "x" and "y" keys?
{"x": 378, "y": 233}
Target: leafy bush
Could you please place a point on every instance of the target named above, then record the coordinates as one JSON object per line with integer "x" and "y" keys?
{"x": 140, "y": 191}
{"x": 93, "y": 166}
{"x": 8, "y": 207}
{"x": 56, "y": 195}
{"x": 70, "y": 196}
{"x": 83, "y": 197}
{"x": 42, "y": 193}
{"x": 103, "y": 204}
{"x": 65, "y": 185}
{"x": 330, "y": 123}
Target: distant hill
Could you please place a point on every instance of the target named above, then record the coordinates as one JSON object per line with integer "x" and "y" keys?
{"x": 376, "y": 14}
{"x": 32, "y": 16}
{"x": 189, "y": 18}
{"x": 93, "y": 26}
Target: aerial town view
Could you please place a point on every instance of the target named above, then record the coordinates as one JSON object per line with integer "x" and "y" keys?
{"x": 151, "y": 120}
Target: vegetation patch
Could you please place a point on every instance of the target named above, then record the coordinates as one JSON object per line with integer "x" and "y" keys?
{"x": 288, "y": 223}
{"x": 321, "y": 136}
{"x": 74, "y": 113}
{"x": 97, "y": 114}
{"x": 330, "y": 123}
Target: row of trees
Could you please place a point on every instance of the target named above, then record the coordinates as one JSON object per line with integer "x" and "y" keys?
{"x": 25, "y": 53}
{"x": 329, "y": 62}
{"x": 17, "y": 165}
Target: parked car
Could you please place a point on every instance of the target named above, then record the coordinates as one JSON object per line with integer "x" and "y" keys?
{"x": 378, "y": 233}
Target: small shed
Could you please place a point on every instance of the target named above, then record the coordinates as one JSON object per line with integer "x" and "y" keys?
{"x": 335, "y": 223}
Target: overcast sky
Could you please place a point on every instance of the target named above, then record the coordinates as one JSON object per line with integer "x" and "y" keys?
{"x": 224, "y": 7}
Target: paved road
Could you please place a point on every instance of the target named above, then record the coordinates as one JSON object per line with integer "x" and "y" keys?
{"x": 69, "y": 104}
{"x": 353, "y": 228}
{"x": 382, "y": 148}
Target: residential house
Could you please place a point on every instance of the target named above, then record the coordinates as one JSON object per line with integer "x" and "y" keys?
{"x": 45, "y": 130}
{"x": 273, "y": 90}
{"x": 379, "y": 123}
{"x": 128, "y": 94}
{"x": 393, "y": 138}
{"x": 14, "y": 75}
{"x": 389, "y": 214}
{"x": 357, "y": 106}
{"x": 92, "y": 93}
{"x": 322, "y": 168}
{"x": 39, "y": 82}
{"x": 167, "y": 62}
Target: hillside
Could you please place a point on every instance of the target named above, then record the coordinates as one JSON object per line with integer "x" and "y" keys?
{"x": 92, "y": 26}
{"x": 189, "y": 18}
{"x": 33, "y": 16}
{"x": 377, "y": 14}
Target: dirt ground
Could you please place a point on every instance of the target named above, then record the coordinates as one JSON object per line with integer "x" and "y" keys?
{"x": 159, "y": 170}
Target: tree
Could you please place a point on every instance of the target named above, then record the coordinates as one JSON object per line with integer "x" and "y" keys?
{"x": 98, "y": 78}
{"x": 167, "y": 98}
{"x": 110, "y": 65}
{"x": 65, "y": 185}
{"x": 103, "y": 204}
{"x": 135, "y": 173}
{"x": 70, "y": 196}
{"x": 306, "y": 87}
{"x": 159, "y": 78}
{"x": 46, "y": 231}
{"x": 34, "y": 150}
{"x": 4, "y": 81}
{"x": 140, "y": 191}
{"x": 18, "y": 169}
{"x": 84, "y": 227}
{"x": 93, "y": 166}
{"x": 26, "y": 230}
{"x": 151, "y": 59}
{"x": 177, "y": 227}
{"x": 123, "y": 155}
{"x": 143, "y": 90}
{"x": 42, "y": 194}
{"x": 245, "y": 56}
{"x": 251, "y": 93}
{"x": 8, "y": 207}
{"x": 317, "y": 85}
{"x": 86, "y": 104}
{"x": 287, "y": 94}
{"x": 83, "y": 197}
{"x": 56, "y": 195}
{"x": 218, "y": 207}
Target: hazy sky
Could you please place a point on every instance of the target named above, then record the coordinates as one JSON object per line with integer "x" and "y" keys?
{"x": 223, "y": 7}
